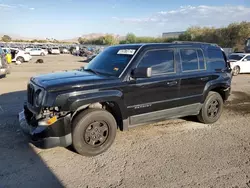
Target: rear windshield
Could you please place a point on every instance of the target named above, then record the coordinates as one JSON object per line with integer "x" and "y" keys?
{"x": 236, "y": 57}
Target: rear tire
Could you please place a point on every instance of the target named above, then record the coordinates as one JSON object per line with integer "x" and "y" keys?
{"x": 211, "y": 109}
{"x": 94, "y": 131}
{"x": 21, "y": 59}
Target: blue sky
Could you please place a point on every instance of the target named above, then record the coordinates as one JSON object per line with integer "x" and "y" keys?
{"x": 64, "y": 19}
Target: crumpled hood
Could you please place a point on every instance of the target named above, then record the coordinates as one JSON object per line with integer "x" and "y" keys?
{"x": 68, "y": 79}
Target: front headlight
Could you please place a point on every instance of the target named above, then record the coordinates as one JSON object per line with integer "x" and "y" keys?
{"x": 39, "y": 97}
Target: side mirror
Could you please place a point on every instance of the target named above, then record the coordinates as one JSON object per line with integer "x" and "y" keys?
{"x": 142, "y": 72}
{"x": 244, "y": 60}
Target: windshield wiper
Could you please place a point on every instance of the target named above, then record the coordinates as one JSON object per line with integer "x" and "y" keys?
{"x": 91, "y": 70}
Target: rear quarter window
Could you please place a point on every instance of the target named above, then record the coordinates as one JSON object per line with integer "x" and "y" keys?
{"x": 216, "y": 59}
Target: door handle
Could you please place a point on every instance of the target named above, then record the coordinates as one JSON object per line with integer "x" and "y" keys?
{"x": 204, "y": 79}
{"x": 172, "y": 83}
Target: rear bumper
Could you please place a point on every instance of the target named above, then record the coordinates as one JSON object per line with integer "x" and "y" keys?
{"x": 57, "y": 134}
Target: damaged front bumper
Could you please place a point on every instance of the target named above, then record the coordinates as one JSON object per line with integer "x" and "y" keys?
{"x": 42, "y": 136}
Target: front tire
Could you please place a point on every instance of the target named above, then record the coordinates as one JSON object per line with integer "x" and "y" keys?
{"x": 94, "y": 131}
{"x": 236, "y": 71}
{"x": 42, "y": 54}
{"x": 211, "y": 109}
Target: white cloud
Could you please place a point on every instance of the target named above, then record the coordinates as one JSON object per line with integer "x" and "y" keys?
{"x": 186, "y": 16}
{"x": 6, "y": 6}
{"x": 14, "y": 6}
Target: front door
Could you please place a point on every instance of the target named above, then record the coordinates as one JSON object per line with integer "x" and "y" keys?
{"x": 160, "y": 92}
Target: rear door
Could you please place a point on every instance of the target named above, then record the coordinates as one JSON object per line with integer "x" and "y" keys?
{"x": 194, "y": 76}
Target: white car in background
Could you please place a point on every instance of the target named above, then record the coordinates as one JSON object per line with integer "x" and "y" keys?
{"x": 55, "y": 50}
{"x": 18, "y": 55}
{"x": 240, "y": 63}
{"x": 27, "y": 49}
{"x": 38, "y": 52}
{"x": 45, "y": 49}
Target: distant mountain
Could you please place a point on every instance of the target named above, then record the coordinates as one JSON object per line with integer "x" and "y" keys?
{"x": 94, "y": 36}
{"x": 87, "y": 36}
{"x": 18, "y": 37}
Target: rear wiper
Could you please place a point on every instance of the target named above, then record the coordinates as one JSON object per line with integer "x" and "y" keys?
{"x": 91, "y": 70}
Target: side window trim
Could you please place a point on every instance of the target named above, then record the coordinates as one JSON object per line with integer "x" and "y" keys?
{"x": 204, "y": 59}
{"x": 196, "y": 50}
{"x": 161, "y": 49}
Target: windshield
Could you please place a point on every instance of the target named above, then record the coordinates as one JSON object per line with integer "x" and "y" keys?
{"x": 112, "y": 61}
{"x": 236, "y": 57}
{"x": 248, "y": 42}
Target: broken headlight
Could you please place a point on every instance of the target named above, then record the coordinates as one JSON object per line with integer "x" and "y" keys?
{"x": 39, "y": 97}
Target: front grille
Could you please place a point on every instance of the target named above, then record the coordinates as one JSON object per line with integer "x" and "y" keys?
{"x": 31, "y": 93}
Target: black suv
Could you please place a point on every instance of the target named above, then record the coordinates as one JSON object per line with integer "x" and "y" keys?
{"x": 122, "y": 87}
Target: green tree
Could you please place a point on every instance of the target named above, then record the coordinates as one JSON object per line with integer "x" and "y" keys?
{"x": 131, "y": 38}
{"x": 109, "y": 40}
{"x": 185, "y": 37}
{"x": 82, "y": 40}
{"x": 6, "y": 38}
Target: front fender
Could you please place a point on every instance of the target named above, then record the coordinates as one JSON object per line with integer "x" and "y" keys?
{"x": 71, "y": 102}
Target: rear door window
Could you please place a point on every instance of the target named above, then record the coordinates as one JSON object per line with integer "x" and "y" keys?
{"x": 189, "y": 60}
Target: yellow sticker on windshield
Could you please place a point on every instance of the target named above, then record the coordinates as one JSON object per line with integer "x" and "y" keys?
{"x": 116, "y": 69}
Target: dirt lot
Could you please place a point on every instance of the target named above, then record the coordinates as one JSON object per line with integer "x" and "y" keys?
{"x": 176, "y": 153}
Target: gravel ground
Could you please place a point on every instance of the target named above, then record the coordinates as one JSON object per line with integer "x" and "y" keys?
{"x": 175, "y": 153}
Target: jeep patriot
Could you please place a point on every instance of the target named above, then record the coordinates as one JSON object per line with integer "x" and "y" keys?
{"x": 122, "y": 87}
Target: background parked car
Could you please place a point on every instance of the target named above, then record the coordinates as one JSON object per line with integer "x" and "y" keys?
{"x": 64, "y": 50}
{"x": 37, "y": 51}
{"x": 28, "y": 48}
{"x": 18, "y": 55}
{"x": 55, "y": 50}
{"x": 240, "y": 63}
{"x": 45, "y": 49}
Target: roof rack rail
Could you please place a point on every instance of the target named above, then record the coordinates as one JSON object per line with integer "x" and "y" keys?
{"x": 194, "y": 42}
